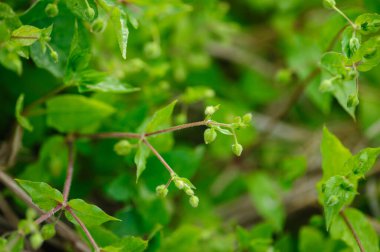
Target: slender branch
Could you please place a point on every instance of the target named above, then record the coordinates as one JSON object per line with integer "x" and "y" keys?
{"x": 354, "y": 26}
{"x": 351, "y": 228}
{"x": 70, "y": 168}
{"x": 109, "y": 135}
{"x": 162, "y": 160}
{"x": 49, "y": 214}
{"x": 178, "y": 127}
{"x": 9, "y": 215}
{"x": 84, "y": 228}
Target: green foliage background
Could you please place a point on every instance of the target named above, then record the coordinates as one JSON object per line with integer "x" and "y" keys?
{"x": 253, "y": 56}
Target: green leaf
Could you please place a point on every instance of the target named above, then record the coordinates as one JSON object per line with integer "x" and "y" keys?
{"x": 85, "y": 9}
{"x": 337, "y": 192}
{"x": 140, "y": 159}
{"x": 265, "y": 194}
{"x": 42, "y": 194}
{"x": 370, "y": 54}
{"x": 362, "y": 162}
{"x": 363, "y": 228}
{"x": 223, "y": 131}
{"x": 70, "y": 113}
{"x": 93, "y": 81}
{"x": 334, "y": 63}
{"x": 311, "y": 240}
{"x": 22, "y": 120}
{"x": 161, "y": 119}
{"x": 119, "y": 22}
{"x": 10, "y": 60}
{"x": 6, "y": 11}
{"x": 350, "y": 42}
{"x": 368, "y": 23}
{"x": 128, "y": 244}
{"x": 89, "y": 214}
{"x": 334, "y": 155}
{"x": 26, "y": 35}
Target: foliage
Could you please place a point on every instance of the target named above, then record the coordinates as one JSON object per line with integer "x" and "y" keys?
{"x": 121, "y": 130}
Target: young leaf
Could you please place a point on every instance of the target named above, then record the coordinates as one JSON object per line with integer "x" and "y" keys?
{"x": 22, "y": 120}
{"x": 106, "y": 85}
{"x": 26, "y": 35}
{"x": 140, "y": 159}
{"x": 161, "y": 118}
{"x": 334, "y": 155}
{"x": 70, "y": 113}
{"x": 89, "y": 214}
{"x": 42, "y": 194}
{"x": 6, "y": 11}
{"x": 337, "y": 192}
{"x": 119, "y": 22}
{"x": 362, "y": 162}
{"x": 128, "y": 243}
{"x": 363, "y": 228}
{"x": 368, "y": 23}
{"x": 334, "y": 63}
{"x": 370, "y": 54}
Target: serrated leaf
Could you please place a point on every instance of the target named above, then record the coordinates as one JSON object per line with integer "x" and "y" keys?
{"x": 337, "y": 192}
{"x": 368, "y": 23}
{"x": 127, "y": 244}
{"x": 89, "y": 214}
{"x": 334, "y": 155}
{"x": 42, "y": 194}
{"x": 70, "y": 113}
{"x": 140, "y": 159}
{"x": 362, "y": 162}
{"x": 363, "y": 228}
{"x": 26, "y": 35}
{"x": 119, "y": 22}
{"x": 22, "y": 120}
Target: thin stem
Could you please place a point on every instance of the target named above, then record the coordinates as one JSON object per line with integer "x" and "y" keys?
{"x": 24, "y": 37}
{"x": 84, "y": 228}
{"x": 178, "y": 127}
{"x": 354, "y": 26}
{"x": 49, "y": 214}
{"x": 109, "y": 135}
{"x": 162, "y": 160}
{"x": 351, "y": 228}
{"x": 44, "y": 98}
{"x": 70, "y": 169}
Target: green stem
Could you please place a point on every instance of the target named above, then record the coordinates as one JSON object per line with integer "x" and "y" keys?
{"x": 354, "y": 26}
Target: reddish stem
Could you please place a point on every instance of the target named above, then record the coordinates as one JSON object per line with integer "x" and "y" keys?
{"x": 49, "y": 214}
{"x": 162, "y": 160}
{"x": 70, "y": 169}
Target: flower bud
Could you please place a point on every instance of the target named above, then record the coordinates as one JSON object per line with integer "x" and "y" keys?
{"x": 352, "y": 100}
{"x": 237, "y": 149}
{"x": 54, "y": 56}
{"x": 326, "y": 85}
{"x": 329, "y": 4}
{"x": 36, "y": 240}
{"x": 209, "y": 135}
{"x": 354, "y": 44}
{"x": 90, "y": 13}
{"x": 98, "y": 25}
{"x": 210, "y": 110}
{"x": 122, "y": 147}
{"x": 189, "y": 192}
{"x": 51, "y": 10}
{"x": 152, "y": 50}
{"x": 247, "y": 118}
{"x": 162, "y": 191}
{"x": 194, "y": 201}
{"x": 48, "y": 231}
{"x": 179, "y": 184}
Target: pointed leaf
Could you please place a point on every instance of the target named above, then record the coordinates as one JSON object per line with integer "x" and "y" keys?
{"x": 140, "y": 159}
{"x": 42, "y": 194}
{"x": 26, "y": 35}
{"x": 89, "y": 214}
{"x": 362, "y": 162}
{"x": 22, "y": 120}
{"x": 119, "y": 22}
{"x": 128, "y": 244}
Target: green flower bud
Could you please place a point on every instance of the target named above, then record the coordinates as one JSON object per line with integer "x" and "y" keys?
{"x": 179, "y": 184}
{"x": 122, "y": 148}
{"x": 36, "y": 240}
{"x": 48, "y": 231}
{"x": 189, "y": 191}
{"x": 162, "y": 191}
{"x": 354, "y": 44}
{"x": 237, "y": 149}
{"x": 352, "y": 100}
{"x": 54, "y": 56}
{"x": 209, "y": 135}
{"x": 51, "y": 10}
{"x": 284, "y": 76}
{"x": 332, "y": 200}
{"x": 31, "y": 214}
{"x": 194, "y": 201}
{"x": 210, "y": 110}
{"x": 152, "y": 50}
{"x": 329, "y": 4}
{"x": 247, "y": 118}
{"x": 98, "y": 25}
{"x": 326, "y": 86}
{"x": 90, "y": 13}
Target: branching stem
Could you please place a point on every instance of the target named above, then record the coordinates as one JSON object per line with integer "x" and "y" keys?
{"x": 162, "y": 160}
{"x": 49, "y": 214}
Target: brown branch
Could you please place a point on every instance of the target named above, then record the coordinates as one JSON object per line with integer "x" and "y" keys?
{"x": 84, "y": 228}
{"x": 162, "y": 160}
{"x": 351, "y": 228}
{"x": 179, "y": 127}
{"x": 49, "y": 214}
{"x": 70, "y": 169}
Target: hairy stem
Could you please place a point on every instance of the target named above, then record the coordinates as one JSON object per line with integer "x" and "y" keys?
{"x": 155, "y": 152}
{"x": 351, "y": 228}
{"x": 70, "y": 169}
{"x": 49, "y": 214}
{"x": 84, "y": 228}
